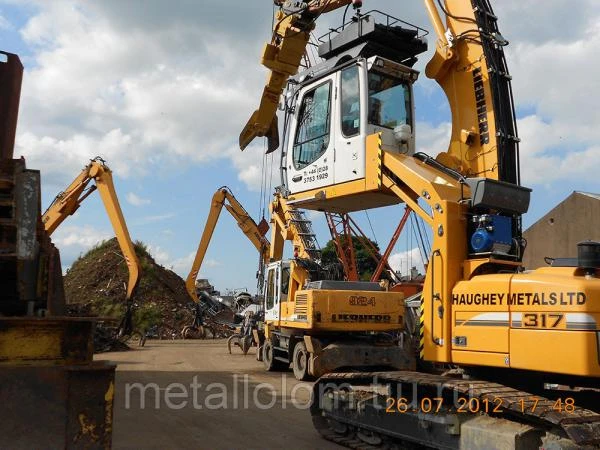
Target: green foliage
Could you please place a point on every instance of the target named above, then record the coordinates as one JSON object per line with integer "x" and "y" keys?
{"x": 146, "y": 261}
{"x": 141, "y": 249}
{"x": 366, "y": 265}
{"x": 108, "y": 309}
{"x": 146, "y": 316}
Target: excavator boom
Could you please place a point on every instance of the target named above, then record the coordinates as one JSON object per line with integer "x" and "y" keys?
{"x": 470, "y": 67}
{"x": 282, "y": 56}
{"x": 253, "y": 231}
{"x": 68, "y": 201}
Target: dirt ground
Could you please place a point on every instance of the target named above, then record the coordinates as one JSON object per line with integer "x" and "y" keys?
{"x": 193, "y": 394}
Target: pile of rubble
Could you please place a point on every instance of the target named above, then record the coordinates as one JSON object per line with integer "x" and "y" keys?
{"x": 95, "y": 285}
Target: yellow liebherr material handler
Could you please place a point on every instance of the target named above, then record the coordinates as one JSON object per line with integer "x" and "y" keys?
{"x": 318, "y": 324}
{"x": 68, "y": 201}
{"x": 348, "y": 144}
{"x": 314, "y": 327}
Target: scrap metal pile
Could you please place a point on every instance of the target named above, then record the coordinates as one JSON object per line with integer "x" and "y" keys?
{"x": 95, "y": 286}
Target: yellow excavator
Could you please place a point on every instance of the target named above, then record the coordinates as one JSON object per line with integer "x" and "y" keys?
{"x": 313, "y": 343}
{"x": 315, "y": 321}
{"x": 68, "y": 201}
{"x": 488, "y": 338}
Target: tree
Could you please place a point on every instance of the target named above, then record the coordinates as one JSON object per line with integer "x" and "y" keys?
{"x": 365, "y": 264}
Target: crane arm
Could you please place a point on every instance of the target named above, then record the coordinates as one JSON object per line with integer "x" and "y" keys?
{"x": 282, "y": 56}
{"x": 470, "y": 67}
{"x": 68, "y": 201}
{"x": 254, "y": 232}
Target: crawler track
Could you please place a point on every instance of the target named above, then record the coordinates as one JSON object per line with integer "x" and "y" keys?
{"x": 363, "y": 411}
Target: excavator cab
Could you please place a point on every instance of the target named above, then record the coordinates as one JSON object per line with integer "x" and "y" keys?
{"x": 359, "y": 90}
{"x": 276, "y": 288}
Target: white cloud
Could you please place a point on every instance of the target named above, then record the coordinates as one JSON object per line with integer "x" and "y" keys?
{"x": 107, "y": 80}
{"x": 5, "y": 24}
{"x": 160, "y": 255}
{"x": 73, "y": 241}
{"x": 403, "y": 261}
{"x": 135, "y": 200}
{"x": 75, "y": 236}
{"x": 96, "y": 64}
{"x": 255, "y": 168}
{"x": 549, "y": 153}
{"x": 558, "y": 20}
{"x": 181, "y": 266}
{"x": 154, "y": 218}
{"x": 62, "y": 158}
{"x": 211, "y": 263}
{"x": 433, "y": 140}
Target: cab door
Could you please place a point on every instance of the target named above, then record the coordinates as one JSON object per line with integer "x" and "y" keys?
{"x": 310, "y": 156}
{"x": 350, "y": 126}
{"x": 272, "y": 300}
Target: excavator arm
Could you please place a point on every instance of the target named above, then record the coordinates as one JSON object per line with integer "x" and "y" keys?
{"x": 282, "y": 56}
{"x": 67, "y": 202}
{"x": 253, "y": 231}
{"x": 470, "y": 67}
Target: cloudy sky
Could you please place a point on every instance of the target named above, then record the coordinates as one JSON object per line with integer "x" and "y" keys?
{"x": 162, "y": 89}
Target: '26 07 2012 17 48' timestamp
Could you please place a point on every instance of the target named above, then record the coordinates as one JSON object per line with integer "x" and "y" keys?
{"x": 464, "y": 405}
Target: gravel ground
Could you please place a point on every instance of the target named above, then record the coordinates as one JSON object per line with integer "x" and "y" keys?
{"x": 193, "y": 394}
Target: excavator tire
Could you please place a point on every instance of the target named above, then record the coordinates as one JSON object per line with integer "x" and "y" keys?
{"x": 300, "y": 362}
{"x": 271, "y": 363}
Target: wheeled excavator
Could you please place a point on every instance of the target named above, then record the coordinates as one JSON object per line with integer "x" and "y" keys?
{"x": 488, "y": 339}
{"x": 365, "y": 328}
{"x": 67, "y": 202}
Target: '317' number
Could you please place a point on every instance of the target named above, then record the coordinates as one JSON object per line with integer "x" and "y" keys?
{"x": 542, "y": 320}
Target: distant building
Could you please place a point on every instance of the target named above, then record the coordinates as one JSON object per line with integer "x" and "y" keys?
{"x": 556, "y": 235}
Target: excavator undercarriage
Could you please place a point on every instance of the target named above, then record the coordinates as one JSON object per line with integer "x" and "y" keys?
{"x": 407, "y": 409}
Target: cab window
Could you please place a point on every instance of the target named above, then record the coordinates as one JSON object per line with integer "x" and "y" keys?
{"x": 389, "y": 101}
{"x": 285, "y": 283}
{"x": 350, "y": 102}
{"x": 270, "y": 289}
{"x": 312, "y": 132}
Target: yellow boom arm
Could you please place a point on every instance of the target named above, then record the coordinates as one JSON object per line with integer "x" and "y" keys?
{"x": 68, "y": 201}
{"x": 470, "y": 67}
{"x": 255, "y": 233}
{"x": 282, "y": 56}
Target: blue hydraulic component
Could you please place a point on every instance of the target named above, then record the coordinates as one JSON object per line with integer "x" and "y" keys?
{"x": 481, "y": 241}
{"x": 493, "y": 233}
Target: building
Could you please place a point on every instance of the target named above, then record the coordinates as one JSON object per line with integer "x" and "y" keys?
{"x": 575, "y": 219}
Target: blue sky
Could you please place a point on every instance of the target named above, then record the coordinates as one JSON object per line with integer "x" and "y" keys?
{"x": 162, "y": 89}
